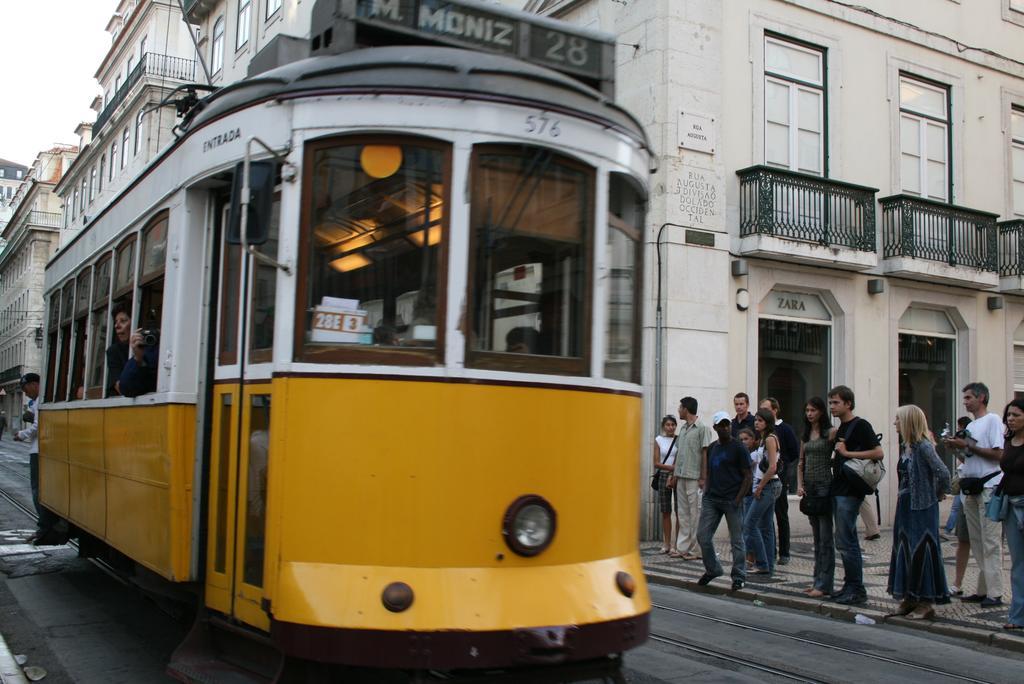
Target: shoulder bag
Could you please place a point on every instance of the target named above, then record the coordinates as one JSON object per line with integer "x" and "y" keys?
{"x": 868, "y": 472}
{"x": 817, "y": 500}
{"x": 657, "y": 473}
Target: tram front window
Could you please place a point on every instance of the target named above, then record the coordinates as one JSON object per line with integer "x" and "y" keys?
{"x": 530, "y": 266}
{"x": 374, "y": 236}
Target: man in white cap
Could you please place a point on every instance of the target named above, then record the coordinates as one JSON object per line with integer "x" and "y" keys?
{"x": 727, "y": 481}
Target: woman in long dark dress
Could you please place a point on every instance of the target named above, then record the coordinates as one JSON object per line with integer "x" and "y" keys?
{"x": 916, "y": 574}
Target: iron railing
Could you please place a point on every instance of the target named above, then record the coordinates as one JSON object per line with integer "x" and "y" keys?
{"x": 799, "y": 206}
{"x": 12, "y": 373}
{"x": 1011, "y": 248}
{"x": 153, "y": 65}
{"x": 926, "y": 229}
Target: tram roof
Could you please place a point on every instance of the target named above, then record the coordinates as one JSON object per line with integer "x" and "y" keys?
{"x": 424, "y": 70}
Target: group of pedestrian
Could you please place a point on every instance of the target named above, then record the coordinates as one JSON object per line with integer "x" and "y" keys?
{"x": 741, "y": 467}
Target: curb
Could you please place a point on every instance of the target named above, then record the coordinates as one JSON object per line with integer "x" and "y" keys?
{"x": 996, "y": 639}
{"x": 10, "y": 671}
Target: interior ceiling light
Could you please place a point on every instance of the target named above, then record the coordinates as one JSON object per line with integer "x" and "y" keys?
{"x": 380, "y": 161}
{"x": 350, "y": 263}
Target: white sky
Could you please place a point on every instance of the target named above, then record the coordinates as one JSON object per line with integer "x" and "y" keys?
{"x": 51, "y": 49}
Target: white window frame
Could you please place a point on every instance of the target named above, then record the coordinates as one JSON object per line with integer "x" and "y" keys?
{"x": 92, "y": 184}
{"x": 923, "y": 119}
{"x": 217, "y": 45}
{"x": 125, "y": 139}
{"x": 1016, "y": 175}
{"x": 138, "y": 133}
{"x": 243, "y": 25}
{"x": 113, "y": 160}
{"x": 103, "y": 170}
{"x": 795, "y": 86}
{"x": 273, "y": 6}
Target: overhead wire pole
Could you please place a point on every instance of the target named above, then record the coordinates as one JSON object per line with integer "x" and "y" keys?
{"x": 199, "y": 53}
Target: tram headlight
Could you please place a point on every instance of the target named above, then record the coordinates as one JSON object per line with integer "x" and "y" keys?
{"x": 529, "y": 525}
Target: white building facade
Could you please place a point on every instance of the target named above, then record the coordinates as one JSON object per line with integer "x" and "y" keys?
{"x": 842, "y": 193}
{"x": 30, "y": 237}
{"x": 152, "y": 52}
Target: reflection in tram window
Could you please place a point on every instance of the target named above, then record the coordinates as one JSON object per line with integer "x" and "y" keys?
{"x": 256, "y": 489}
{"x": 530, "y": 268}
{"x": 377, "y": 220}
{"x": 625, "y": 245}
{"x": 264, "y": 292}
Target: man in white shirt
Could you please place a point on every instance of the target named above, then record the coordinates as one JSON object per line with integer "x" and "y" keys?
{"x": 983, "y": 446}
{"x": 47, "y": 520}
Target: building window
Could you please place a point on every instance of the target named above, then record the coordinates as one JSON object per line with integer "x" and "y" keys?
{"x": 794, "y": 339}
{"x": 138, "y": 132}
{"x": 117, "y": 84}
{"x": 18, "y": 173}
{"x": 113, "y": 159}
{"x": 924, "y": 139}
{"x": 128, "y": 68}
{"x": 244, "y": 11}
{"x": 103, "y": 170}
{"x": 92, "y": 184}
{"x": 217, "y": 48}
{"x": 84, "y": 198}
{"x": 272, "y": 7}
{"x": 142, "y": 48}
{"x": 1018, "y": 362}
{"x": 794, "y": 105}
{"x": 125, "y": 135}
{"x": 927, "y": 363}
{"x": 1017, "y": 159}
{"x": 1017, "y": 5}
{"x": 74, "y": 206}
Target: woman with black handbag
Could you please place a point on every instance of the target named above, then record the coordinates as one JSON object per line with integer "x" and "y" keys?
{"x": 814, "y": 485}
{"x": 917, "y": 576}
{"x": 664, "y": 462}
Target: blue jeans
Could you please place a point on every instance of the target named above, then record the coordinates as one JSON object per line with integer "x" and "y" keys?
{"x": 1015, "y": 542}
{"x": 847, "y": 509}
{"x": 711, "y": 513}
{"x": 824, "y": 552}
{"x": 956, "y": 511}
{"x": 759, "y": 526}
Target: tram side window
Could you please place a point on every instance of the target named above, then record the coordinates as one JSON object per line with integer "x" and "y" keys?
{"x": 81, "y": 338}
{"x": 531, "y": 223}
{"x": 121, "y": 314}
{"x": 231, "y": 288}
{"x": 264, "y": 292}
{"x": 140, "y": 372}
{"x": 625, "y": 259}
{"x": 98, "y": 329}
{"x": 67, "y": 300}
{"x": 52, "y": 326}
{"x": 374, "y": 242}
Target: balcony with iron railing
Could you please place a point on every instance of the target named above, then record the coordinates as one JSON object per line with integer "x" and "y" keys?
{"x": 806, "y": 219}
{"x": 154, "y": 66}
{"x": 1011, "y": 256}
{"x": 933, "y": 241}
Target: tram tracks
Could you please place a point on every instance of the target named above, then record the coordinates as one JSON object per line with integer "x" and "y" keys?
{"x": 727, "y": 656}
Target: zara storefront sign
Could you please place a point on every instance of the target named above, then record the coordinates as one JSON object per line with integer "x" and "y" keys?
{"x": 795, "y": 305}
{"x": 696, "y": 132}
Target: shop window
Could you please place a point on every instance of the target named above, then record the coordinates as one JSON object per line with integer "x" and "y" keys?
{"x": 625, "y": 257}
{"x": 264, "y": 292}
{"x": 373, "y": 250}
{"x": 52, "y": 328}
{"x": 151, "y": 277}
{"x": 98, "y": 330}
{"x": 67, "y": 302}
{"x": 81, "y": 326}
{"x": 927, "y": 368}
{"x": 794, "y": 350}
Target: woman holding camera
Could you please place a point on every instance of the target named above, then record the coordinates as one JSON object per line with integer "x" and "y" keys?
{"x": 139, "y": 374}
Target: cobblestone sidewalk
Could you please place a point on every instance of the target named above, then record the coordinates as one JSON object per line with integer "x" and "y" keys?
{"x": 790, "y": 580}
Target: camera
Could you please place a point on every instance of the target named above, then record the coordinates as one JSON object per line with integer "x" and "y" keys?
{"x": 150, "y": 338}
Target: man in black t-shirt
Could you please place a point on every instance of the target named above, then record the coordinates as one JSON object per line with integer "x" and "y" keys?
{"x": 855, "y": 439}
{"x": 727, "y": 480}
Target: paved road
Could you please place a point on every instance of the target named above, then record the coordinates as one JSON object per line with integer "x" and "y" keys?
{"x": 803, "y": 646}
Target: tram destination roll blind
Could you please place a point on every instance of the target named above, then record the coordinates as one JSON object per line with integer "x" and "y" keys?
{"x": 467, "y": 24}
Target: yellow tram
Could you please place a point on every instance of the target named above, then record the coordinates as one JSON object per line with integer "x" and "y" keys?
{"x": 393, "y": 301}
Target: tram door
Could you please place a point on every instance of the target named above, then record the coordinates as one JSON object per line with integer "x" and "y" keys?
{"x": 239, "y": 448}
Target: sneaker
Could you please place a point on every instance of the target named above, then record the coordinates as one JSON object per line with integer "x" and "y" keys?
{"x": 991, "y": 601}
{"x": 706, "y": 578}
{"x": 852, "y": 599}
{"x": 838, "y": 594}
{"x": 737, "y": 585}
{"x": 783, "y": 560}
{"x": 955, "y": 590}
{"x": 973, "y": 598}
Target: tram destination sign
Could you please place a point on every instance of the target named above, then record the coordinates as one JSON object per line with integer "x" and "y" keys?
{"x": 469, "y": 24}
